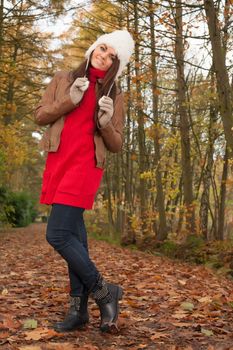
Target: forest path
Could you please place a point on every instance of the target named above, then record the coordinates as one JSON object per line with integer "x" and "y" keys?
{"x": 153, "y": 315}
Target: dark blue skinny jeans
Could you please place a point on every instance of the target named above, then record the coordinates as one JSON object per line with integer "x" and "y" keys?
{"x": 66, "y": 232}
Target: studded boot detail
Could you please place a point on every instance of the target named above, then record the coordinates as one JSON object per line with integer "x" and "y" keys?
{"x": 76, "y": 317}
{"x": 107, "y": 296}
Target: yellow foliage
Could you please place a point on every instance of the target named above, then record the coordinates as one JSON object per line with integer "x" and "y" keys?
{"x": 102, "y": 16}
{"x": 147, "y": 175}
{"x": 135, "y": 222}
{"x": 14, "y": 149}
{"x": 155, "y": 130}
{"x": 11, "y": 107}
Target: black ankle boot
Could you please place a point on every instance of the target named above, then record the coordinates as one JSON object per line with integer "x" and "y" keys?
{"x": 107, "y": 296}
{"x": 77, "y": 315}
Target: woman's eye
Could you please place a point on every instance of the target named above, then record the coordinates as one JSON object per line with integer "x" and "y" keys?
{"x": 102, "y": 48}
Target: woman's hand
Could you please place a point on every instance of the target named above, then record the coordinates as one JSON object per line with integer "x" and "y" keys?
{"x": 106, "y": 110}
{"x": 79, "y": 86}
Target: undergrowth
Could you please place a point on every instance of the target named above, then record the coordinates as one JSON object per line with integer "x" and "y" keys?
{"x": 217, "y": 255}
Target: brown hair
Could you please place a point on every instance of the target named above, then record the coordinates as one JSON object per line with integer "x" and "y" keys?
{"x": 108, "y": 81}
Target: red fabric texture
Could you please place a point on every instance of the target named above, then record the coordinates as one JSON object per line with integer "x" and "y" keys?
{"x": 70, "y": 176}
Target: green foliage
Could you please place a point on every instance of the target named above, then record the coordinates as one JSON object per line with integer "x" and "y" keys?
{"x": 98, "y": 227}
{"x": 17, "y": 208}
{"x": 168, "y": 248}
{"x": 5, "y": 208}
{"x": 214, "y": 262}
{"x": 194, "y": 242}
{"x": 192, "y": 249}
{"x": 30, "y": 324}
{"x": 2, "y": 161}
{"x": 24, "y": 212}
{"x": 105, "y": 237}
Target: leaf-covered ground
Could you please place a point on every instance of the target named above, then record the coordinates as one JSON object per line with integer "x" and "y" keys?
{"x": 166, "y": 304}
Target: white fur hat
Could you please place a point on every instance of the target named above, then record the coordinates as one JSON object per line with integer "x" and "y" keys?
{"x": 121, "y": 41}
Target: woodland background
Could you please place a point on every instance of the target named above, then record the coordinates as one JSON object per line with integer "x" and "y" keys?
{"x": 174, "y": 177}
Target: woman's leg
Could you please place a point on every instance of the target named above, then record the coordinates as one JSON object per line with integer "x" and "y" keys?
{"x": 77, "y": 288}
{"x": 62, "y": 235}
{"x": 77, "y": 315}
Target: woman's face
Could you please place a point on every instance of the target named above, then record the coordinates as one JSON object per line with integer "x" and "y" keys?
{"x": 103, "y": 57}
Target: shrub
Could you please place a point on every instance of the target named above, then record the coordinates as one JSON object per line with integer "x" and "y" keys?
{"x": 192, "y": 249}
{"x": 169, "y": 248}
{"x": 5, "y": 208}
{"x": 24, "y": 211}
{"x": 16, "y": 208}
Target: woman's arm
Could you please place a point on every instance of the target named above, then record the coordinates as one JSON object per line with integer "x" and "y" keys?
{"x": 112, "y": 133}
{"x": 49, "y": 108}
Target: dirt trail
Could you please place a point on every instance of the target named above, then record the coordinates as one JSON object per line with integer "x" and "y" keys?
{"x": 166, "y": 304}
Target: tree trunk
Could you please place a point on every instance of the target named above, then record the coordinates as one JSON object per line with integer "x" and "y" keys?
{"x": 118, "y": 223}
{"x": 184, "y": 123}
{"x": 162, "y": 228}
{"x": 220, "y": 234}
{"x": 204, "y": 208}
{"x": 1, "y": 27}
{"x": 8, "y": 113}
{"x": 128, "y": 184}
{"x": 108, "y": 190}
{"x": 141, "y": 132}
{"x": 223, "y": 84}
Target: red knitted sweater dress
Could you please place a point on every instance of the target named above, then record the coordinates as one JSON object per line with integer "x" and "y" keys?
{"x": 70, "y": 176}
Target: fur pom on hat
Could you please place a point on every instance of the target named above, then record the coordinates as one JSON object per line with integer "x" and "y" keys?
{"x": 121, "y": 41}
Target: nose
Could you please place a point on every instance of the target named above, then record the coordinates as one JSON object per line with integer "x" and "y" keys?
{"x": 104, "y": 55}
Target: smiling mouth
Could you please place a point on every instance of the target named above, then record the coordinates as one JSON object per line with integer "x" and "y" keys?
{"x": 100, "y": 61}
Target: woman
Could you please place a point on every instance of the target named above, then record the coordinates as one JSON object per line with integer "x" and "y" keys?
{"x": 84, "y": 109}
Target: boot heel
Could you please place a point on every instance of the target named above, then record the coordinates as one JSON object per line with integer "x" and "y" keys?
{"x": 120, "y": 293}
{"x": 108, "y": 305}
